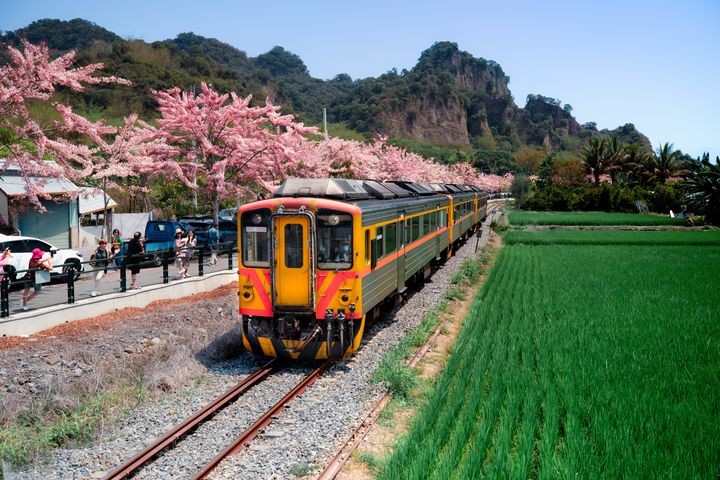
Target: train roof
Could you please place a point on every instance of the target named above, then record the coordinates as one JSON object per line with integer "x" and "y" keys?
{"x": 351, "y": 190}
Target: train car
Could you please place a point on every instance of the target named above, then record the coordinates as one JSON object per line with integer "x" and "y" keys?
{"x": 318, "y": 259}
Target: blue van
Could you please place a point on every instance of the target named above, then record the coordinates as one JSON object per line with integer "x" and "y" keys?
{"x": 159, "y": 241}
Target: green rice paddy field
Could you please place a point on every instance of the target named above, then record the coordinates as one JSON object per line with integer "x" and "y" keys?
{"x": 520, "y": 218}
{"x": 580, "y": 359}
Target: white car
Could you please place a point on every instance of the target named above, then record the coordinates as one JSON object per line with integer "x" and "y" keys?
{"x": 21, "y": 250}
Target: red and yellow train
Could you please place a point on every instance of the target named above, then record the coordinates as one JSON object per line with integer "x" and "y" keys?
{"x": 319, "y": 258}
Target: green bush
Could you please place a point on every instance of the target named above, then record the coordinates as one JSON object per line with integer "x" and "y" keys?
{"x": 604, "y": 197}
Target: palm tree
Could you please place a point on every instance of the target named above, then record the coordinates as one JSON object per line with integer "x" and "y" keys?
{"x": 616, "y": 159}
{"x": 595, "y": 157}
{"x": 636, "y": 158}
{"x": 702, "y": 190}
{"x": 667, "y": 163}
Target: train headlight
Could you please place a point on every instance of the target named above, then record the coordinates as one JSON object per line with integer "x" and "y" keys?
{"x": 345, "y": 296}
{"x": 257, "y": 219}
{"x": 333, "y": 220}
{"x": 247, "y": 293}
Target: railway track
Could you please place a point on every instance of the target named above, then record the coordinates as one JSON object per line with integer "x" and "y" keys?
{"x": 134, "y": 465}
{"x": 146, "y": 456}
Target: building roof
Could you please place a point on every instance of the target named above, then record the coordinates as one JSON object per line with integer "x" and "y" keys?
{"x": 92, "y": 200}
{"x": 14, "y": 185}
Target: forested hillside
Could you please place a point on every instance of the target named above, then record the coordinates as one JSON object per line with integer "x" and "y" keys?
{"x": 450, "y": 106}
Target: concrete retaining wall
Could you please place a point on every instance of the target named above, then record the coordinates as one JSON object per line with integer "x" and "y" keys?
{"x": 28, "y": 323}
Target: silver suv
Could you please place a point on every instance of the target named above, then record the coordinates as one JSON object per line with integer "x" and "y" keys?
{"x": 21, "y": 250}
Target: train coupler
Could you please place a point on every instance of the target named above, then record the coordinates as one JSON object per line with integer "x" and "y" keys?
{"x": 339, "y": 331}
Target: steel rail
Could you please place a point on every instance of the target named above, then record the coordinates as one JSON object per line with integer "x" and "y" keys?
{"x": 254, "y": 430}
{"x": 142, "y": 458}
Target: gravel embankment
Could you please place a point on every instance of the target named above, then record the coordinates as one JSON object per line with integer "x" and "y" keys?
{"x": 305, "y": 436}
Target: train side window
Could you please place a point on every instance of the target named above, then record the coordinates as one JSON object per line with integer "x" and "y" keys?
{"x": 391, "y": 237}
{"x": 367, "y": 245}
{"x": 407, "y": 231}
{"x": 415, "y": 232}
{"x": 443, "y": 215}
{"x": 380, "y": 237}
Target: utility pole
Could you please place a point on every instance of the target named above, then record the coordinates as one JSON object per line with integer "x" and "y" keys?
{"x": 325, "y": 132}
{"x": 194, "y": 190}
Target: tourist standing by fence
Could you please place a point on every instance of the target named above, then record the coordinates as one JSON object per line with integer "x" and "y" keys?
{"x": 35, "y": 280}
{"x": 99, "y": 259}
{"x": 134, "y": 257}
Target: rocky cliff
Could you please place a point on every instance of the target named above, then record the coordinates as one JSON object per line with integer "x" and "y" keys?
{"x": 450, "y": 98}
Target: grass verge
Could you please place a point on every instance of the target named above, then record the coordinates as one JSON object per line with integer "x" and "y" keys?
{"x": 47, "y": 426}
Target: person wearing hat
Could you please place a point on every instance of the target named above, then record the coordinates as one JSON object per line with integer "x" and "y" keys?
{"x": 190, "y": 244}
{"x": 39, "y": 260}
{"x": 180, "y": 254}
{"x": 99, "y": 259}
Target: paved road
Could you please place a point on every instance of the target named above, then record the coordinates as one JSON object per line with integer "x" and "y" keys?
{"x": 56, "y": 293}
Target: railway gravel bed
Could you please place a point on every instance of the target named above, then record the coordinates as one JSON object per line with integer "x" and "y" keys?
{"x": 299, "y": 441}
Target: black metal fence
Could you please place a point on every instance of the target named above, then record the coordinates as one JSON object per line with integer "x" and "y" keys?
{"x": 77, "y": 272}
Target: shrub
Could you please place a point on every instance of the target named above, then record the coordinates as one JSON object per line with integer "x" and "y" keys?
{"x": 604, "y": 197}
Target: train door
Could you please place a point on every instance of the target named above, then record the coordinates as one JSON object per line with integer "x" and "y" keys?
{"x": 292, "y": 270}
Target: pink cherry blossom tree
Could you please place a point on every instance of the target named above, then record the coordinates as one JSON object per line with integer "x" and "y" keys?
{"x": 379, "y": 160}
{"x": 29, "y": 77}
{"x": 107, "y": 154}
{"x": 235, "y": 147}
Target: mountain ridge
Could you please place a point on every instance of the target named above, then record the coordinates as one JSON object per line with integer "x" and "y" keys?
{"x": 450, "y": 98}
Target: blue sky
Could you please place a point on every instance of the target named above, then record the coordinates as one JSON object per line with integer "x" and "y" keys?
{"x": 652, "y": 63}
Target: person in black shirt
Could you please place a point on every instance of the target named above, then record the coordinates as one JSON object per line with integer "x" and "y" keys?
{"x": 134, "y": 256}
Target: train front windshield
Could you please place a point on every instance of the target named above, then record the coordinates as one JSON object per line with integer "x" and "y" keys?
{"x": 256, "y": 238}
{"x": 334, "y": 240}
